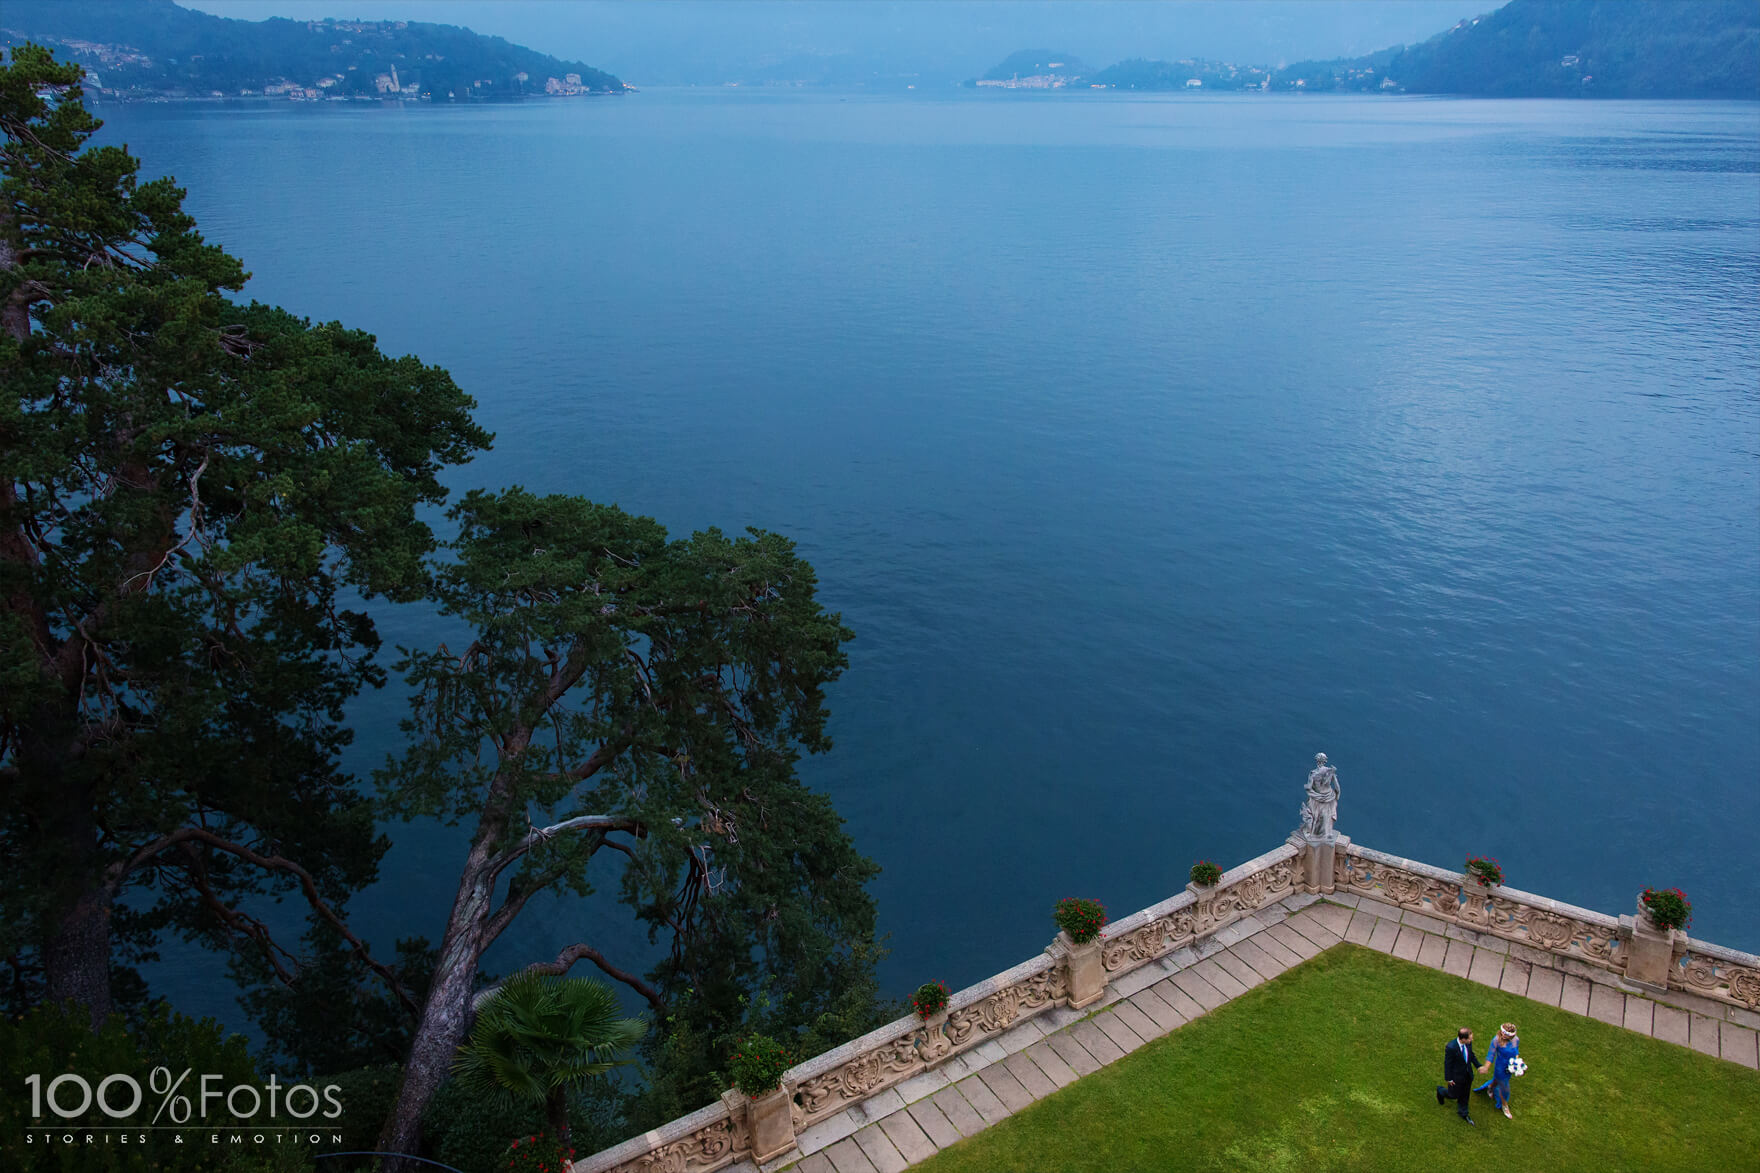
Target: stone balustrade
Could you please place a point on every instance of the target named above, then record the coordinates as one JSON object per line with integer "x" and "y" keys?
{"x": 1316, "y": 860}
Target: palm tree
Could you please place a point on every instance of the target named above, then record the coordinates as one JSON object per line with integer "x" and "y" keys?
{"x": 537, "y": 1039}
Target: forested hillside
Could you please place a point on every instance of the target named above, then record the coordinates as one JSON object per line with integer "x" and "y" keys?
{"x": 153, "y": 48}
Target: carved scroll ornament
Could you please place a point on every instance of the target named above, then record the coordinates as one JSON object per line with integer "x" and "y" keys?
{"x": 1698, "y": 974}
{"x": 899, "y": 1059}
{"x": 709, "y": 1147}
{"x": 1167, "y": 933}
{"x": 1479, "y": 909}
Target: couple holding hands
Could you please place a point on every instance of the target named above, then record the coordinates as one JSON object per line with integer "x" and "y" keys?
{"x": 1459, "y": 1063}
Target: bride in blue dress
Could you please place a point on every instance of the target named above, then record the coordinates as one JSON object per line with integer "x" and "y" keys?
{"x": 1497, "y": 1060}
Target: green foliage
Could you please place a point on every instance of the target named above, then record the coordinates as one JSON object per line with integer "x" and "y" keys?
{"x": 332, "y": 1018}
{"x": 190, "y": 52}
{"x": 666, "y": 689}
{"x": 366, "y": 1094}
{"x": 1569, "y": 48}
{"x": 1668, "y": 907}
{"x": 51, "y": 1040}
{"x": 538, "y": 1039}
{"x": 194, "y": 489}
{"x": 538, "y": 1153}
{"x": 1329, "y": 1067}
{"x": 1080, "y": 917}
{"x": 1206, "y": 873}
{"x": 930, "y": 999}
{"x": 468, "y": 1132}
{"x": 1485, "y": 869}
{"x": 756, "y": 1064}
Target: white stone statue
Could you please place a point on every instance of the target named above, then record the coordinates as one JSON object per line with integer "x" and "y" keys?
{"x": 1320, "y": 809}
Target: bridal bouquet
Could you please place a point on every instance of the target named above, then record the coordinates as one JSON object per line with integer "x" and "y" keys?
{"x": 1517, "y": 1066}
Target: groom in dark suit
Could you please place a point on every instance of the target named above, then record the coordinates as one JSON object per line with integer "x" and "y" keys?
{"x": 1458, "y": 1063}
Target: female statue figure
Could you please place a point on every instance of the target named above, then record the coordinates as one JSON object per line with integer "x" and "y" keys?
{"x": 1320, "y": 810}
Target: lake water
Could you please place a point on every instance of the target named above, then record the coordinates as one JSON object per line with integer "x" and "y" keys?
{"x": 1149, "y": 445}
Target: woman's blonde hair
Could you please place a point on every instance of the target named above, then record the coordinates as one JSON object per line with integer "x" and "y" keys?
{"x": 1509, "y": 1028}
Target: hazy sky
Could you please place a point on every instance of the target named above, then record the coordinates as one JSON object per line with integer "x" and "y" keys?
{"x": 709, "y": 41}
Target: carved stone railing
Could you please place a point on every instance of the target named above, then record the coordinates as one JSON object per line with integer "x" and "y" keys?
{"x": 1711, "y": 971}
{"x": 1316, "y": 860}
{"x": 1535, "y": 921}
{"x": 823, "y": 1086}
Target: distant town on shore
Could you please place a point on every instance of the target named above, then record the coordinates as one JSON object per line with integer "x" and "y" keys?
{"x": 154, "y": 50}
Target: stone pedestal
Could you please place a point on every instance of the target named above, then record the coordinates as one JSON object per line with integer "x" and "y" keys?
{"x": 1084, "y": 976}
{"x": 770, "y": 1122}
{"x": 1204, "y": 892}
{"x": 1652, "y": 951}
{"x": 1318, "y": 854}
{"x": 931, "y": 1041}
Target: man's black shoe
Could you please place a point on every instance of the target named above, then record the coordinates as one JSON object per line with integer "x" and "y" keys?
{"x": 1469, "y": 1120}
{"x": 1439, "y": 1097}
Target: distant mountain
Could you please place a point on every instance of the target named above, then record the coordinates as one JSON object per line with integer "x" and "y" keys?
{"x": 153, "y": 48}
{"x": 1526, "y": 49}
{"x": 1557, "y": 48}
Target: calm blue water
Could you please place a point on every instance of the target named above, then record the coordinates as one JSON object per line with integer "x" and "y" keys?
{"x": 1149, "y": 446}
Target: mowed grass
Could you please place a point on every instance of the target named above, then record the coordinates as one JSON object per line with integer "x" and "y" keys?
{"x": 1334, "y": 1066}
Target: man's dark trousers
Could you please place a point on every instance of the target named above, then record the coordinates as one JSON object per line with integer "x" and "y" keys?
{"x": 1458, "y": 1063}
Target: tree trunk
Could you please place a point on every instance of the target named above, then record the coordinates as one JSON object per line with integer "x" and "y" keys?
{"x": 556, "y": 1112}
{"x": 76, "y": 924}
{"x": 446, "y": 1014}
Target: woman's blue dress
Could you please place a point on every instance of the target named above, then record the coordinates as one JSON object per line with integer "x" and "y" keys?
{"x": 1501, "y": 1054}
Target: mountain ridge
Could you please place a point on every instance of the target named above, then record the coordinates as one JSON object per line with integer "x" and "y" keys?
{"x": 156, "y": 49}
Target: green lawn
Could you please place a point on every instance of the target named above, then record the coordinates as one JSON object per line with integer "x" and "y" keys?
{"x": 1334, "y": 1066}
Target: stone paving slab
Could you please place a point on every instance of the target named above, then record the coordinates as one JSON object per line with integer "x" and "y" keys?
{"x": 1164, "y": 1017}
{"x": 1575, "y": 995}
{"x": 1703, "y": 1033}
{"x": 1116, "y": 1029}
{"x": 1095, "y": 1042}
{"x": 1210, "y": 969}
{"x": 1230, "y": 962}
{"x": 1362, "y": 925}
{"x": 1199, "y": 990}
{"x": 1036, "y": 1083}
{"x": 934, "y": 1123}
{"x": 908, "y": 1137}
{"x": 907, "y": 1124}
{"x": 1141, "y": 1024}
{"x": 1670, "y": 1025}
{"x": 1385, "y": 933}
{"x": 1274, "y": 948}
{"x": 1008, "y": 1089}
{"x": 1334, "y": 917}
{"x": 1178, "y": 999}
{"x": 1261, "y": 962}
{"x": 959, "y": 1111}
{"x": 880, "y": 1151}
{"x": 1070, "y": 1051}
{"x": 1285, "y": 935}
{"x": 1740, "y": 1045}
{"x": 1545, "y": 985}
{"x": 1607, "y": 1005}
{"x": 1047, "y": 1060}
{"x": 847, "y": 1157}
{"x": 1487, "y": 967}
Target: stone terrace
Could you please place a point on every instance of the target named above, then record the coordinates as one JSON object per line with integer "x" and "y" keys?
{"x": 910, "y": 1122}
